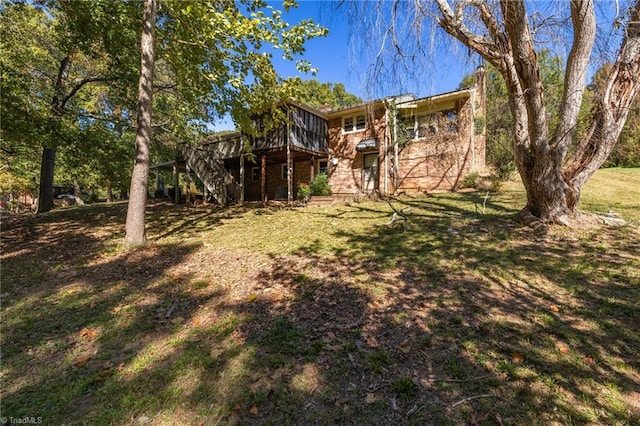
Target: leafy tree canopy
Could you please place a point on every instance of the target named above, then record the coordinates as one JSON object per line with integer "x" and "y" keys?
{"x": 318, "y": 95}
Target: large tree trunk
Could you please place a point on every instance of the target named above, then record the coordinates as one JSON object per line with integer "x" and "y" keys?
{"x": 552, "y": 184}
{"x": 135, "y": 225}
{"x": 45, "y": 191}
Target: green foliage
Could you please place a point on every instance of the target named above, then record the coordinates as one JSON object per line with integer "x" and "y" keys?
{"x": 498, "y": 120}
{"x": 320, "y": 185}
{"x": 626, "y": 153}
{"x": 404, "y": 387}
{"x": 211, "y": 59}
{"x": 500, "y": 156}
{"x": 470, "y": 180}
{"x": 478, "y": 124}
{"x": 219, "y": 54}
{"x": 316, "y": 94}
{"x": 304, "y": 192}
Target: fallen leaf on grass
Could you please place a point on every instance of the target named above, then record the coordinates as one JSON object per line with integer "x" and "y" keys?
{"x": 371, "y": 398}
{"x": 405, "y": 346}
{"x": 588, "y": 360}
{"x": 517, "y": 358}
{"x": 87, "y": 333}
{"x": 554, "y": 308}
{"x": 254, "y": 410}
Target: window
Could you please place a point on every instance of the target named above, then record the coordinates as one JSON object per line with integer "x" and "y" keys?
{"x": 255, "y": 174}
{"x": 323, "y": 167}
{"x": 354, "y": 123}
{"x": 451, "y": 121}
{"x": 425, "y": 125}
{"x": 285, "y": 172}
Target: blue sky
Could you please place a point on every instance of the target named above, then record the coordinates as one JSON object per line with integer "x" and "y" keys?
{"x": 341, "y": 58}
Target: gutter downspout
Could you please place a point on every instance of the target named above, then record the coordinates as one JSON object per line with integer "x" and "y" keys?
{"x": 289, "y": 168}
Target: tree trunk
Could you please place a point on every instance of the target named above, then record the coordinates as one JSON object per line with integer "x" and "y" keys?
{"x": 45, "y": 191}
{"x": 610, "y": 112}
{"x": 135, "y": 225}
{"x": 109, "y": 189}
{"x": 552, "y": 184}
{"x": 77, "y": 193}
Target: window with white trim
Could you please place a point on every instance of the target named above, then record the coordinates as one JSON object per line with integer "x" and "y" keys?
{"x": 355, "y": 123}
{"x": 255, "y": 174}
{"x": 285, "y": 172}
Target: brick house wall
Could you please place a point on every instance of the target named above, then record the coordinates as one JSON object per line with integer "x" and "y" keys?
{"x": 444, "y": 141}
{"x": 346, "y": 177}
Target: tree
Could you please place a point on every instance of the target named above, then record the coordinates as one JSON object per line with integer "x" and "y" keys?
{"x": 553, "y": 162}
{"x": 135, "y": 232}
{"x": 316, "y": 94}
{"x": 53, "y": 53}
{"x": 499, "y": 120}
{"x": 216, "y": 57}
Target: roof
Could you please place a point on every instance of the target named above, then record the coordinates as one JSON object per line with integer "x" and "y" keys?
{"x": 448, "y": 96}
{"x": 406, "y": 101}
{"x": 398, "y": 98}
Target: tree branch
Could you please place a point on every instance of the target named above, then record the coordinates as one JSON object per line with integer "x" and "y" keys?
{"x": 584, "y": 33}
{"x": 526, "y": 65}
{"x": 80, "y": 83}
{"x": 492, "y": 50}
{"x": 612, "y": 108}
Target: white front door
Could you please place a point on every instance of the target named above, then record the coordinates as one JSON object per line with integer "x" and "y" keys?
{"x": 369, "y": 173}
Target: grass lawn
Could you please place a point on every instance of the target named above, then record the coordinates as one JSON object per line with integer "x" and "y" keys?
{"x": 325, "y": 315}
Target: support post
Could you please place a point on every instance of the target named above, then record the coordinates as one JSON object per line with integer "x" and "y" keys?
{"x": 263, "y": 179}
{"x": 289, "y": 177}
{"x": 312, "y": 168}
{"x": 176, "y": 190}
{"x": 242, "y": 178}
{"x": 188, "y": 192}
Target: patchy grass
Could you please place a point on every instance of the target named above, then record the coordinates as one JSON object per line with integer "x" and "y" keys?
{"x": 324, "y": 315}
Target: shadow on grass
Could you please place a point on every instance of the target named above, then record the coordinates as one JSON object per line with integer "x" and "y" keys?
{"x": 463, "y": 319}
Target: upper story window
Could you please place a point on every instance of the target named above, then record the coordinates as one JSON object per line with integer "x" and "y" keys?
{"x": 354, "y": 123}
{"x": 425, "y": 125}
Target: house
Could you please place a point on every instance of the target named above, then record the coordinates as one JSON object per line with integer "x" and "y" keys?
{"x": 388, "y": 146}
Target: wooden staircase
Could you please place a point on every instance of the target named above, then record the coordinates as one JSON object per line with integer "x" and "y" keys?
{"x": 213, "y": 174}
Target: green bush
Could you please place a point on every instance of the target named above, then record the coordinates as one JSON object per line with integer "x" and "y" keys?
{"x": 320, "y": 185}
{"x": 304, "y": 192}
{"x": 500, "y": 157}
{"x": 470, "y": 180}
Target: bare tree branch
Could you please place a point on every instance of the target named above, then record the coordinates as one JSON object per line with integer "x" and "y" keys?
{"x": 584, "y": 33}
